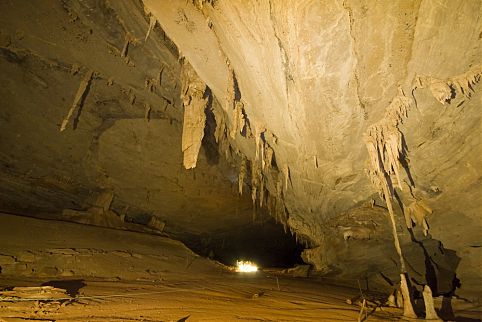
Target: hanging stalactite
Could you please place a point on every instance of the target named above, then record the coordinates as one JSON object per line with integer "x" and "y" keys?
{"x": 194, "y": 100}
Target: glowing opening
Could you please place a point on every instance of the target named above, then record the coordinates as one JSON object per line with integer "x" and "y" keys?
{"x": 246, "y": 267}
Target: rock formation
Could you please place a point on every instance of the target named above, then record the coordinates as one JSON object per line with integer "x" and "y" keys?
{"x": 313, "y": 78}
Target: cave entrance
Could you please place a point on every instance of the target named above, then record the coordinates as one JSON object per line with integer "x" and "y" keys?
{"x": 266, "y": 244}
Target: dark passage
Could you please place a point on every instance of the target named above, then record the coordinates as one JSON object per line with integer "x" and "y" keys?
{"x": 265, "y": 244}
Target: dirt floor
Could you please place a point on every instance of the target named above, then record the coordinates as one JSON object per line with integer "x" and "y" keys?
{"x": 227, "y": 298}
{"x": 111, "y": 275}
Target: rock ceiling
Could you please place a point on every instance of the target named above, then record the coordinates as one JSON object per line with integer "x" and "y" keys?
{"x": 305, "y": 107}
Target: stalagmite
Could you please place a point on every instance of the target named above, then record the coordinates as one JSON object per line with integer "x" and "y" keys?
{"x": 399, "y": 298}
{"x": 430, "y": 313}
{"x": 194, "y": 102}
{"x": 392, "y": 300}
{"x": 78, "y": 100}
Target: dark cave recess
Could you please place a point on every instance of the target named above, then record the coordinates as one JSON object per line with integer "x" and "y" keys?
{"x": 265, "y": 244}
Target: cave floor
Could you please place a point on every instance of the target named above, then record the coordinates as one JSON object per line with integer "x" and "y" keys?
{"x": 227, "y": 298}
{"x": 115, "y": 275}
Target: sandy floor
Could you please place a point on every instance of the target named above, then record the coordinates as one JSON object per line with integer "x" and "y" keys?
{"x": 225, "y": 298}
{"x": 113, "y": 275}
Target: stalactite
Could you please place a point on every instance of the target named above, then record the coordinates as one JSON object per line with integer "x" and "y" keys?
{"x": 125, "y": 49}
{"x": 152, "y": 24}
{"x": 239, "y": 120}
{"x": 147, "y": 112}
{"x": 383, "y": 141}
{"x": 230, "y": 91}
{"x": 279, "y": 187}
{"x": 286, "y": 173}
{"x": 464, "y": 83}
{"x": 259, "y": 143}
{"x": 242, "y": 175}
{"x": 220, "y": 131}
{"x": 261, "y": 193}
{"x": 255, "y": 180}
{"x": 194, "y": 102}
{"x": 446, "y": 90}
{"x": 78, "y": 99}
{"x": 385, "y": 149}
{"x": 417, "y": 211}
{"x": 267, "y": 156}
{"x": 441, "y": 91}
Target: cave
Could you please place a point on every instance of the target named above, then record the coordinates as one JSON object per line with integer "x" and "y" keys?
{"x": 224, "y": 160}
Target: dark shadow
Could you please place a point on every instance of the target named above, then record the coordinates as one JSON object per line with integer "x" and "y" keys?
{"x": 237, "y": 92}
{"x": 464, "y": 319}
{"x": 71, "y": 286}
{"x": 388, "y": 280}
{"x": 399, "y": 201}
{"x": 184, "y": 318}
{"x": 453, "y": 93}
{"x": 446, "y": 311}
{"x": 441, "y": 277}
{"x": 430, "y": 273}
{"x": 208, "y": 142}
{"x": 404, "y": 162}
{"x": 265, "y": 243}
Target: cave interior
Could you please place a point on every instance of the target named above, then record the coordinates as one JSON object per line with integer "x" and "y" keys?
{"x": 148, "y": 147}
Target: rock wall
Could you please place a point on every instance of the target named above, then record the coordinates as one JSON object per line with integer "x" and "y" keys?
{"x": 107, "y": 76}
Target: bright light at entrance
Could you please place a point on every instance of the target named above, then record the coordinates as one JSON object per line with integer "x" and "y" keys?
{"x": 246, "y": 267}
